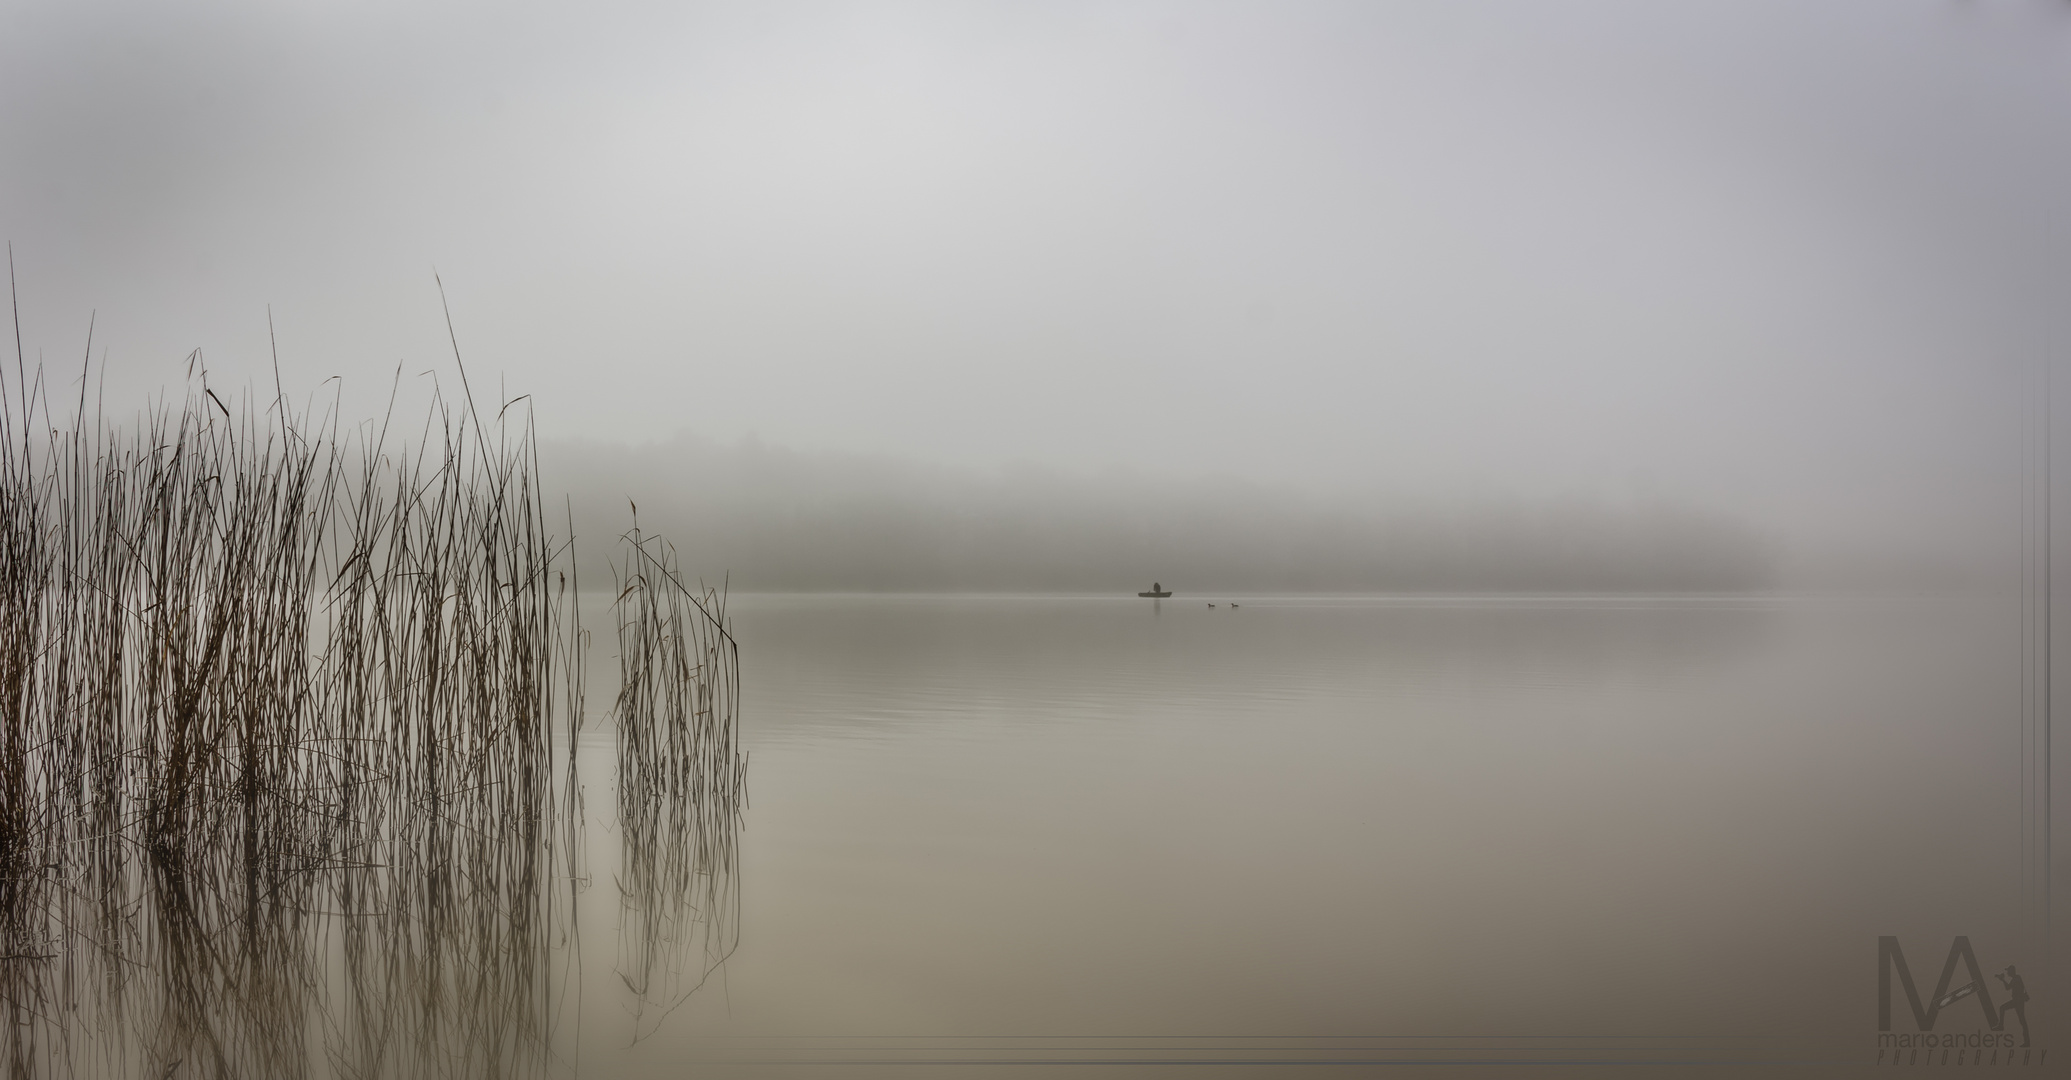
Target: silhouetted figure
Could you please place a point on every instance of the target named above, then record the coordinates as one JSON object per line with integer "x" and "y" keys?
{"x": 2017, "y": 1000}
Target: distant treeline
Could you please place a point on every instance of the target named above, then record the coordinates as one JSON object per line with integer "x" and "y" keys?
{"x": 783, "y": 520}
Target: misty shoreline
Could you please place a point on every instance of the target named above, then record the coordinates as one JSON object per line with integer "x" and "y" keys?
{"x": 767, "y": 519}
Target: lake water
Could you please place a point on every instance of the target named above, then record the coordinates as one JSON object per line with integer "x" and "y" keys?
{"x": 997, "y": 833}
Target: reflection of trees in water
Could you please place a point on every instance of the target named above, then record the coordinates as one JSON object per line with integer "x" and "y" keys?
{"x": 279, "y": 793}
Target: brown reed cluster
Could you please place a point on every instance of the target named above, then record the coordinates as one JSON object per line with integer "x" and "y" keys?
{"x": 681, "y": 779}
{"x": 288, "y": 719}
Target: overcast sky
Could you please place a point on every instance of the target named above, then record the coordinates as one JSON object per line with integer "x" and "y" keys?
{"x": 1793, "y": 260}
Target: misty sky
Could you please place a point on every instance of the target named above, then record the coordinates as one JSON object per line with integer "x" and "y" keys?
{"x": 1793, "y": 261}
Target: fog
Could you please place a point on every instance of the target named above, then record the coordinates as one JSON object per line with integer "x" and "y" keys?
{"x": 1681, "y": 374}
{"x": 1521, "y": 293}
{"x": 765, "y": 518}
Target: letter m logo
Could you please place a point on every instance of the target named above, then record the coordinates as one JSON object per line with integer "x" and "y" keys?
{"x": 1889, "y": 957}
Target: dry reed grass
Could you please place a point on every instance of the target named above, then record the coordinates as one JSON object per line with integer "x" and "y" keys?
{"x": 279, "y": 709}
{"x": 681, "y": 779}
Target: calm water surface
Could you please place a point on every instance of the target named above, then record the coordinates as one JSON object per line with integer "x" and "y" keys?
{"x": 995, "y": 827}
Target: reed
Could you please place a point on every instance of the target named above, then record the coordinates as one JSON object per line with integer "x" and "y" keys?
{"x": 681, "y": 779}
{"x": 280, "y": 792}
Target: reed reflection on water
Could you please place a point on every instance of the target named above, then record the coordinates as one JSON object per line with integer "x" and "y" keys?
{"x": 287, "y": 753}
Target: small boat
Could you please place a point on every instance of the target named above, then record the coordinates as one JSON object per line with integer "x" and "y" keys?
{"x": 1157, "y": 592}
